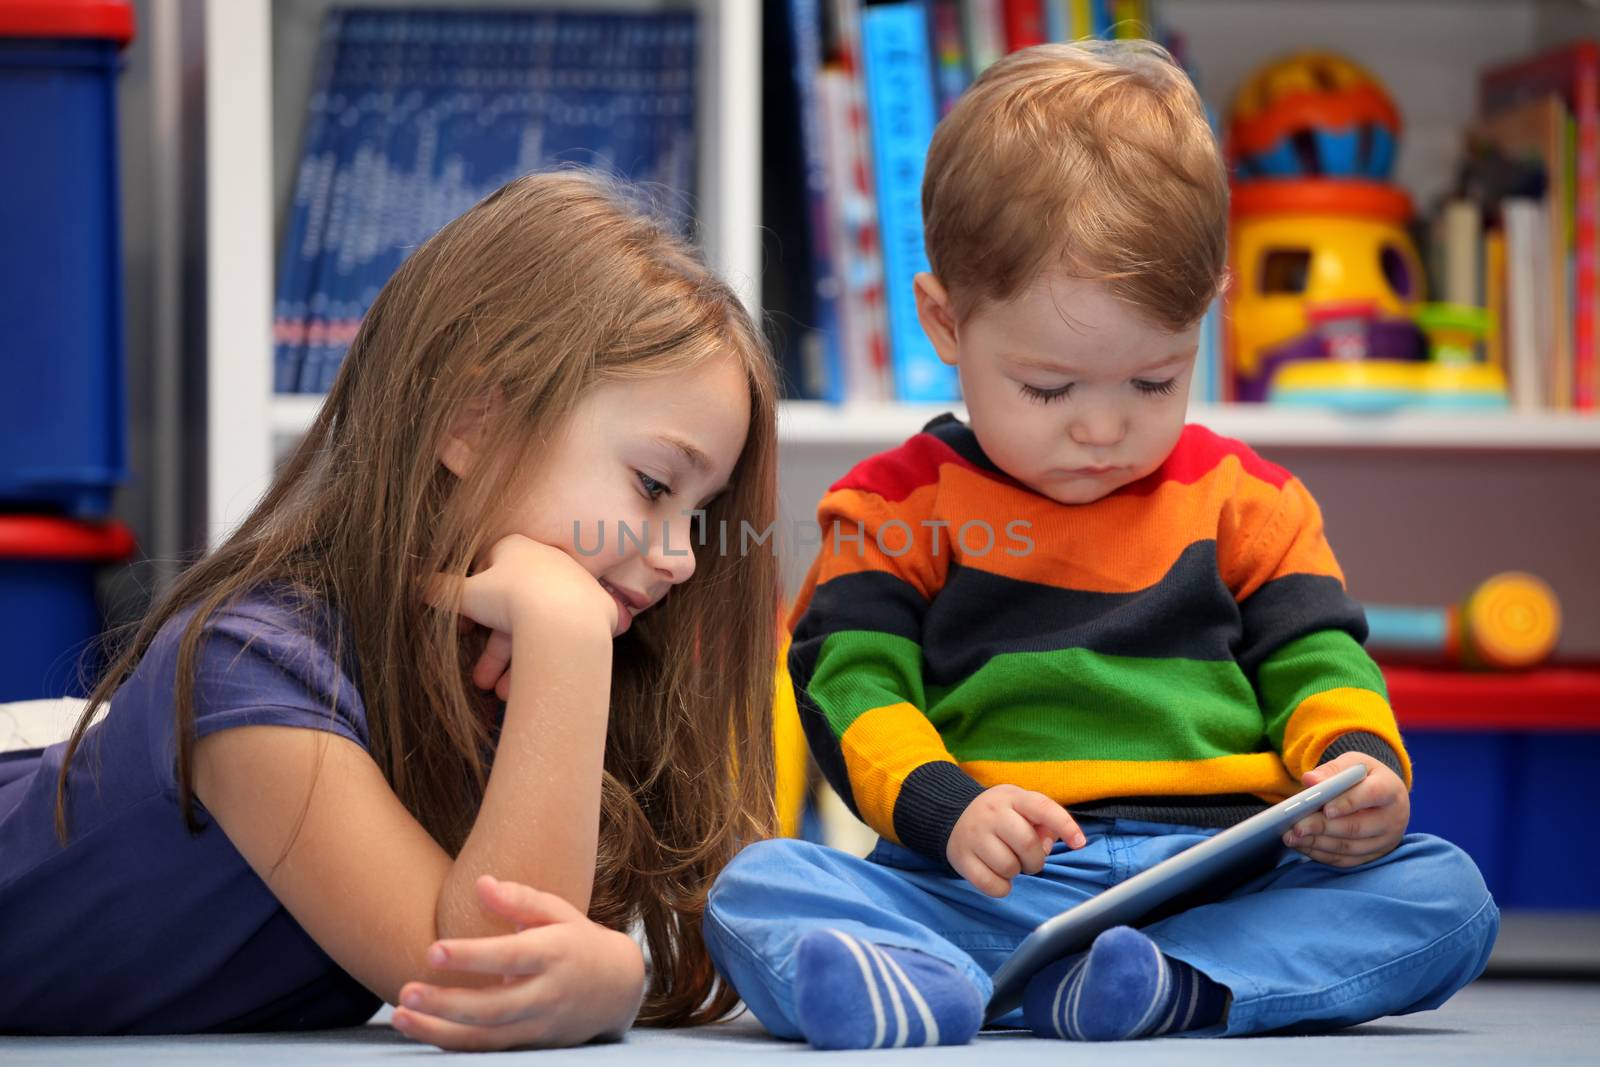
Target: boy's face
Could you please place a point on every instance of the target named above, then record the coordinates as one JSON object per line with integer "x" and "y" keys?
{"x": 1068, "y": 389}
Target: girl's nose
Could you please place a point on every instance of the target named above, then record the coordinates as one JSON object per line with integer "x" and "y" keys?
{"x": 673, "y": 556}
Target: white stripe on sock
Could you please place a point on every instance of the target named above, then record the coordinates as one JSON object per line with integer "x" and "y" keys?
{"x": 930, "y": 1025}
{"x": 1057, "y": 1017}
{"x": 871, "y": 984}
{"x": 1163, "y": 987}
{"x": 1194, "y": 1001}
{"x": 1074, "y": 1025}
{"x": 902, "y": 1030}
{"x": 1172, "y": 1016}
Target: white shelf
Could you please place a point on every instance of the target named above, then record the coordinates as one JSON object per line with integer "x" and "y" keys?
{"x": 803, "y": 423}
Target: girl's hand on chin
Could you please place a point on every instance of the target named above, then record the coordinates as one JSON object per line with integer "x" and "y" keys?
{"x": 524, "y": 582}
{"x": 564, "y": 979}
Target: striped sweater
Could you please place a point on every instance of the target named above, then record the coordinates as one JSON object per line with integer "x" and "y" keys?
{"x": 1180, "y": 650}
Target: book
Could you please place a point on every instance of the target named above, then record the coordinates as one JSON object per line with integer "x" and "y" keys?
{"x": 1571, "y": 72}
{"x": 1535, "y": 131}
{"x": 1527, "y": 307}
{"x": 415, "y": 115}
{"x": 951, "y": 76}
{"x": 900, "y": 108}
{"x": 800, "y": 284}
{"x": 1024, "y": 23}
{"x": 985, "y": 31}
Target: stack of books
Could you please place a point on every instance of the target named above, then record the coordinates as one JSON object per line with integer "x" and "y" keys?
{"x": 417, "y": 115}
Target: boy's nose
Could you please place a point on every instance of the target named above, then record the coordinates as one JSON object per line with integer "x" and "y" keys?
{"x": 1097, "y": 429}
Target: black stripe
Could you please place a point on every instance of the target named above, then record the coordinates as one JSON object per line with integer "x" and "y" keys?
{"x": 1291, "y": 607}
{"x": 865, "y": 600}
{"x": 1218, "y": 811}
{"x": 963, "y": 442}
{"x": 868, "y": 600}
{"x": 978, "y": 615}
{"x": 931, "y": 799}
{"x": 1368, "y": 745}
{"x": 825, "y": 746}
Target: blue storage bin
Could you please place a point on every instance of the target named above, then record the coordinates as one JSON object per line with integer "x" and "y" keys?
{"x": 1518, "y": 804}
{"x": 47, "y": 599}
{"x": 62, "y": 418}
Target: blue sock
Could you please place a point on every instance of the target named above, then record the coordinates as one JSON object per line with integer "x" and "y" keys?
{"x": 1122, "y": 988}
{"x": 850, "y": 993}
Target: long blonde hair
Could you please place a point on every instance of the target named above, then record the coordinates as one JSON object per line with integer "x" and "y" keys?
{"x": 549, "y": 287}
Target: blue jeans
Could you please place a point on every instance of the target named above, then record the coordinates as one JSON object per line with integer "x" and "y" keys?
{"x": 1303, "y": 947}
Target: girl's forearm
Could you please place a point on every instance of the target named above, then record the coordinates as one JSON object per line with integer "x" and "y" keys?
{"x": 540, "y": 819}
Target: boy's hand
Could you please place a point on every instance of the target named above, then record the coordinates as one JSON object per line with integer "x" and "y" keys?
{"x": 1358, "y": 826}
{"x": 563, "y": 979}
{"x": 1006, "y": 831}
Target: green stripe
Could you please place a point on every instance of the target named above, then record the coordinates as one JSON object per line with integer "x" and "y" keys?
{"x": 858, "y": 670}
{"x": 1078, "y": 704}
{"x": 1316, "y": 663}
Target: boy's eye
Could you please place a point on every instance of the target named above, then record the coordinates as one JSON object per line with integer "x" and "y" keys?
{"x": 1166, "y": 388}
{"x": 652, "y": 488}
{"x": 1045, "y": 396}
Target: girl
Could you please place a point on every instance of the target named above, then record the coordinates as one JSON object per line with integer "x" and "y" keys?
{"x": 308, "y": 796}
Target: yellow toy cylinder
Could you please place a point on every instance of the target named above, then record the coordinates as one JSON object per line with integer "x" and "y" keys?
{"x": 1510, "y": 621}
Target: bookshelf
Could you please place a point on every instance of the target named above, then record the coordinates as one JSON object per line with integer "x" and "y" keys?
{"x": 1420, "y": 506}
{"x": 259, "y": 55}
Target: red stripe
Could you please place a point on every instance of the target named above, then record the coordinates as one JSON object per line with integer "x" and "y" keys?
{"x": 896, "y": 474}
{"x": 1198, "y": 453}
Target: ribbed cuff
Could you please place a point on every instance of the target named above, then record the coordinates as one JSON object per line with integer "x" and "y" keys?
{"x": 931, "y": 799}
{"x": 1368, "y": 745}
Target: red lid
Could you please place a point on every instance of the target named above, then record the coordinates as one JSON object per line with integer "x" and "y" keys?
{"x": 47, "y": 537}
{"x": 1321, "y": 196}
{"x": 107, "y": 19}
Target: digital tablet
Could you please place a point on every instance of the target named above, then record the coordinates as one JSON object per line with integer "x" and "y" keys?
{"x": 1194, "y": 876}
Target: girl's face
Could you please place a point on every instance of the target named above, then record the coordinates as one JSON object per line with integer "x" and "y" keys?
{"x": 617, "y": 489}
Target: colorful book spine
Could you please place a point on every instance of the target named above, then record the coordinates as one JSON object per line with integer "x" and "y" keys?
{"x": 805, "y": 20}
{"x": 900, "y": 105}
{"x": 950, "y": 61}
{"x": 985, "y": 33}
{"x": 1572, "y": 71}
{"x": 1024, "y": 22}
{"x": 1083, "y": 25}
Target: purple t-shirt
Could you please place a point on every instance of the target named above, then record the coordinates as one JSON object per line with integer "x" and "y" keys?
{"x": 136, "y": 925}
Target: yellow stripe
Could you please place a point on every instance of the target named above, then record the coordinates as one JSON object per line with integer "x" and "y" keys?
{"x": 1322, "y": 717}
{"x": 1076, "y": 781}
{"x": 881, "y": 748}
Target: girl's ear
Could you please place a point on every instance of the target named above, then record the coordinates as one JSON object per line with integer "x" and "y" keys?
{"x": 463, "y": 441}
{"x": 937, "y": 316}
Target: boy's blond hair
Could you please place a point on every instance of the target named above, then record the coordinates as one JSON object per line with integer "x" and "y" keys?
{"x": 1095, "y": 158}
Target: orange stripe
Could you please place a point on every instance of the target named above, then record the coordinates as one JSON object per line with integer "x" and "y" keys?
{"x": 881, "y": 749}
{"x": 1078, "y": 781}
{"x": 1121, "y": 544}
{"x": 1268, "y": 535}
{"x": 1322, "y": 717}
{"x": 848, "y": 514}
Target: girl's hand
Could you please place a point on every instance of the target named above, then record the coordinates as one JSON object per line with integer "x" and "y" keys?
{"x": 565, "y": 979}
{"x": 1358, "y": 826}
{"x": 1006, "y": 831}
{"x": 521, "y": 582}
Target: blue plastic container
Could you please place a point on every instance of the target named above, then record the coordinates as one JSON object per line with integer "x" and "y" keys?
{"x": 62, "y": 398}
{"x": 1518, "y": 804}
{"x": 47, "y": 597}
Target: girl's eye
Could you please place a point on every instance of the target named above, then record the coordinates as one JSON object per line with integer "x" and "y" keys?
{"x": 1166, "y": 388}
{"x": 652, "y": 488}
{"x": 1045, "y": 396}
